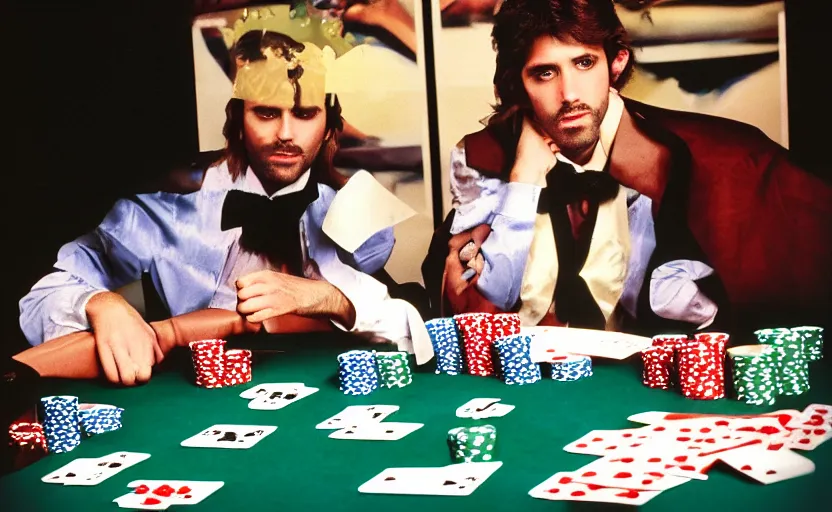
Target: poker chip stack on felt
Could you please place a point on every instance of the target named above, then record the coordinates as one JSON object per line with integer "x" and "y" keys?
{"x": 60, "y": 423}
{"x": 216, "y": 368}
{"x": 812, "y": 341}
{"x": 659, "y": 361}
{"x": 792, "y": 359}
{"x": 514, "y": 360}
{"x": 99, "y": 418}
{"x": 445, "y": 340}
{"x": 700, "y": 365}
{"x": 357, "y": 372}
{"x": 237, "y": 367}
{"x": 27, "y": 435}
{"x": 393, "y": 369}
{"x": 472, "y": 444}
{"x": 755, "y": 374}
{"x": 571, "y": 367}
{"x": 477, "y": 336}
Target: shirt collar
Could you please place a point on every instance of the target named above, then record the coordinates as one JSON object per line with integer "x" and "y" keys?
{"x": 252, "y": 184}
{"x": 608, "y": 129}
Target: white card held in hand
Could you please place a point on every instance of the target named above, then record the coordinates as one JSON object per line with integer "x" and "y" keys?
{"x": 229, "y": 436}
{"x": 385, "y": 431}
{"x": 355, "y": 415}
{"x": 264, "y": 389}
{"x": 161, "y": 494}
{"x": 767, "y": 466}
{"x": 563, "y": 487}
{"x": 454, "y": 480}
{"x": 481, "y": 408}
{"x": 280, "y": 398}
{"x": 362, "y": 208}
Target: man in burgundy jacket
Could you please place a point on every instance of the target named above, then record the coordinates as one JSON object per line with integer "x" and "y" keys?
{"x": 576, "y": 206}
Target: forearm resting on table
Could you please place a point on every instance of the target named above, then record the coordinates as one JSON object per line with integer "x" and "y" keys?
{"x": 74, "y": 356}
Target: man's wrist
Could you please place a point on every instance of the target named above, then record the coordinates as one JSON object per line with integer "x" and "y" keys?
{"x": 332, "y": 304}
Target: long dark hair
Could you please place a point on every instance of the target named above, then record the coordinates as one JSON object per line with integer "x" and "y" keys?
{"x": 249, "y": 48}
{"x": 519, "y": 23}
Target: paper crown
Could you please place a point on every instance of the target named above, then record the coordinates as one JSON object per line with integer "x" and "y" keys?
{"x": 326, "y": 58}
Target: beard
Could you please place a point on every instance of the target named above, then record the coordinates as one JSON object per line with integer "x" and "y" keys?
{"x": 576, "y": 140}
{"x": 279, "y": 173}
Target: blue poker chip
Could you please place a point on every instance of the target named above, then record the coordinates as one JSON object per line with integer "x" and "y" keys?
{"x": 572, "y": 368}
{"x": 99, "y": 418}
{"x": 357, "y": 372}
{"x": 446, "y": 345}
{"x": 60, "y": 423}
{"x": 514, "y": 362}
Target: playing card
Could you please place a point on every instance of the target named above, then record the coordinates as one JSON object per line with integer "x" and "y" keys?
{"x": 355, "y": 415}
{"x": 229, "y": 436}
{"x": 385, "y": 431}
{"x": 767, "y": 466}
{"x": 481, "y": 408}
{"x": 279, "y": 398}
{"x": 161, "y": 494}
{"x": 808, "y": 438}
{"x": 604, "y": 442}
{"x": 815, "y": 415}
{"x": 264, "y": 389}
{"x": 453, "y": 480}
{"x": 626, "y": 473}
{"x": 72, "y": 471}
{"x": 104, "y": 467}
{"x": 561, "y": 486}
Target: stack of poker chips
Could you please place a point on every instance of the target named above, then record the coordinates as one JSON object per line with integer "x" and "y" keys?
{"x": 472, "y": 444}
{"x": 700, "y": 365}
{"x": 791, "y": 356}
{"x": 658, "y": 361}
{"x": 99, "y": 418}
{"x": 812, "y": 341}
{"x": 216, "y": 368}
{"x": 479, "y": 331}
{"x": 514, "y": 360}
{"x": 60, "y": 423}
{"x": 27, "y": 435}
{"x": 445, "y": 340}
{"x": 569, "y": 368}
{"x": 755, "y": 374}
{"x": 357, "y": 372}
{"x": 696, "y": 366}
{"x": 393, "y": 369}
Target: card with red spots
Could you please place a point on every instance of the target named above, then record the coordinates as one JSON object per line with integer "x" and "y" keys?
{"x": 161, "y": 494}
{"x": 563, "y": 487}
{"x": 768, "y": 466}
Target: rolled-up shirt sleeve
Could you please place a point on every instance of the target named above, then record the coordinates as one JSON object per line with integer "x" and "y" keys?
{"x": 510, "y": 209}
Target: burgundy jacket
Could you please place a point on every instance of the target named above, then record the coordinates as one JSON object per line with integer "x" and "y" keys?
{"x": 763, "y": 224}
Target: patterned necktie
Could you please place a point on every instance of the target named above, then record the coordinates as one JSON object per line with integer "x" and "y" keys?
{"x": 270, "y": 226}
{"x": 566, "y": 187}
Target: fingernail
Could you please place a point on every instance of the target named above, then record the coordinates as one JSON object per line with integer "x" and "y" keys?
{"x": 469, "y": 274}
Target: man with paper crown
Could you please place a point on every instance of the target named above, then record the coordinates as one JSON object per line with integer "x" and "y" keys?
{"x": 576, "y": 206}
{"x": 254, "y": 237}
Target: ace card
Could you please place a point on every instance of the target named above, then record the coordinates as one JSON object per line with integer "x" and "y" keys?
{"x": 229, "y": 436}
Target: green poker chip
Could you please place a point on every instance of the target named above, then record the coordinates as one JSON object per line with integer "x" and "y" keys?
{"x": 393, "y": 369}
{"x": 812, "y": 341}
{"x": 792, "y": 361}
{"x": 472, "y": 444}
{"x": 755, "y": 373}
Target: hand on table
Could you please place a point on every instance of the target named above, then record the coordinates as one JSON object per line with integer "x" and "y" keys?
{"x": 267, "y": 294}
{"x": 127, "y": 346}
{"x": 461, "y": 277}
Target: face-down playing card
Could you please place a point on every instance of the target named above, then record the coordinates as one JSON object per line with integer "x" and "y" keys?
{"x": 229, "y": 436}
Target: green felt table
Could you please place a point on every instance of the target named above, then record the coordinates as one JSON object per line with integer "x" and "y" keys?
{"x": 299, "y": 468}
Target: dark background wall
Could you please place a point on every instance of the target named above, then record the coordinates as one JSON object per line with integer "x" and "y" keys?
{"x": 99, "y": 97}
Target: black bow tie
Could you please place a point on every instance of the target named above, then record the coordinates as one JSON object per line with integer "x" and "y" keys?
{"x": 565, "y": 185}
{"x": 270, "y": 226}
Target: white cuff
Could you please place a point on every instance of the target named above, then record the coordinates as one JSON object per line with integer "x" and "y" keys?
{"x": 674, "y": 294}
{"x": 519, "y": 201}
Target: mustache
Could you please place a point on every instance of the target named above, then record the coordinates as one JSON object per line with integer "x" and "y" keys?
{"x": 568, "y": 110}
{"x": 290, "y": 149}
